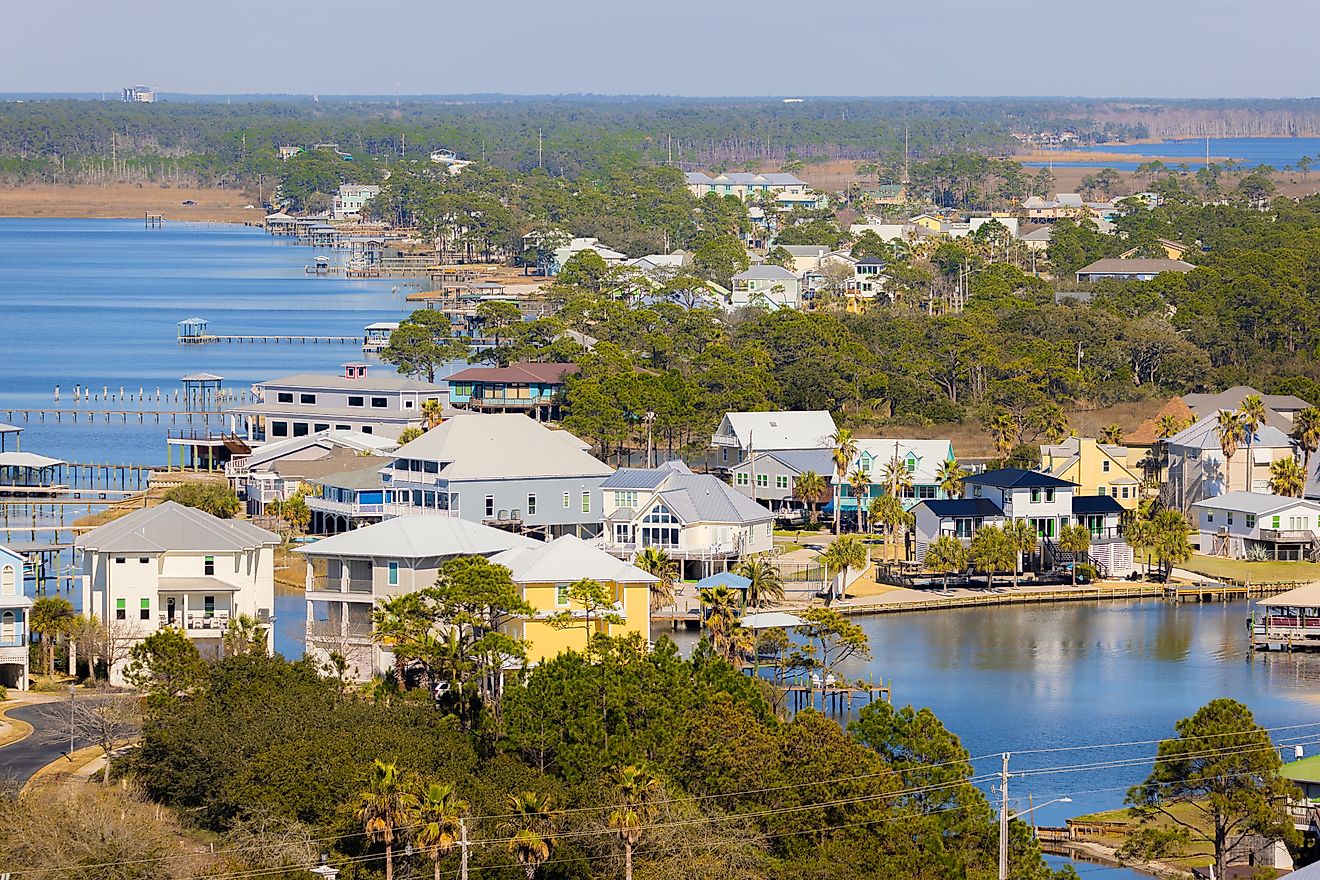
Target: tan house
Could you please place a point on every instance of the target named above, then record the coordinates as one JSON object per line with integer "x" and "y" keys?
{"x": 1097, "y": 469}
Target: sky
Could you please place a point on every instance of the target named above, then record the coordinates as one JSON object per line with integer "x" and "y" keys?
{"x": 1109, "y": 48}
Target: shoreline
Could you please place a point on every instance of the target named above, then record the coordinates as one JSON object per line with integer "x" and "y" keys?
{"x": 127, "y": 201}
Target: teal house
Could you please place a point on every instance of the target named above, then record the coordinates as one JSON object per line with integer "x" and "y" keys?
{"x": 534, "y": 389}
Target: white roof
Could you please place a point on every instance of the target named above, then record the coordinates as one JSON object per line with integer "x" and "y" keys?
{"x": 930, "y": 454}
{"x": 172, "y": 526}
{"x": 768, "y": 272}
{"x": 568, "y": 559}
{"x": 355, "y": 440}
{"x": 1204, "y": 434}
{"x": 27, "y": 460}
{"x": 769, "y": 619}
{"x": 809, "y": 429}
{"x": 503, "y": 446}
{"x": 418, "y": 537}
{"x": 1259, "y": 503}
{"x": 1301, "y": 597}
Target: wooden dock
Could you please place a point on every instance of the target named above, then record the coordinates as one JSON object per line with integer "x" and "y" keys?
{"x": 836, "y": 699}
{"x": 212, "y": 338}
{"x": 110, "y": 416}
{"x": 1223, "y": 592}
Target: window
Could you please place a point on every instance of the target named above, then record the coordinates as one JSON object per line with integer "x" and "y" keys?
{"x": 925, "y": 491}
{"x": 1125, "y": 491}
{"x": 307, "y": 398}
{"x": 300, "y": 429}
{"x": 7, "y": 627}
{"x": 365, "y": 429}
{"x": 119, "y": 560}
{"x": 1049, "y": 495}
{"x": 741, "y": 478}
{"x": 1209, "y": 516}
{"x": 1230, "y": 517}
{"x": 121, "y": 609}
{"x": 561, "y": 594}
{"x": 380, "y": 402}
{"x": 976, "y": 491}
{"x": 208, "y": 606}
{"x": 279, "y": 429}
{"x": 1104, "y": 466}
{"x": 1113, "y": 491}
{"x": 284, "y": 397}
{"x": 586, "y": 502}
{"x": 144, "y": 612}
{"x": 567, "y": 502}
{"x": 143, "y": 560}
{"x": 1251, "y": 520}
{"x": 781, "y": 482}
{"x": 431, "y": 467}
{"x": 394, "y": 574}
{"x": 8, "y": 582}
{"x": 343, "y": 427}
{"x": 208, "y": 566}
{"x": 356, "y": 400}
{"x": 1035, "y": 496}
{"x": 1274, "y": 522}
{"x": 625, "y": 499}
{"x": 762, "y": 481}
{"x": 490, "y": 505}
{"x": 321, "y": 426}
{"x": 1103, "y": 491}
{"x": 531, "y": 504}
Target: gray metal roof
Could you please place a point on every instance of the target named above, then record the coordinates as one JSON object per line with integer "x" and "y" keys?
{"x": 634, "y": 478}
{"x": 171, "y": 526}
{"x": 343, "y": 383}
{"x": 424, "y": 536}
{"x": 705, "y": 498}
{"x": 568, "y": 559}
{"x": 765, "y": 272}
{"x": 1259, "y": 503}
{"x": 800, "y": 460}
{"x": 504, "y": 446}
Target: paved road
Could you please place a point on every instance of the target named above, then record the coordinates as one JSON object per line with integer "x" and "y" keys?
{"x": 49, "y": 740}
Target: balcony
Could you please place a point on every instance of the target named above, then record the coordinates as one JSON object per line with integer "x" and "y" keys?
{"x": 495, "y": 401}
{"x": 197, "y": 623}
{"x": 354, "y": 509}
{"x": 13, "y": 653}
{"x": 335, "y": 584}
{"x": 1287, "y": 536}
{"x": 720, "y": 440}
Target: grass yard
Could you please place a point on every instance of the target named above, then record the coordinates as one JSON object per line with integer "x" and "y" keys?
{"x": 1254, "y": 572}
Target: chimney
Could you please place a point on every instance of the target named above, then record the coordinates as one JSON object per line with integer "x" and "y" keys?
{"x": 356, "y": 370}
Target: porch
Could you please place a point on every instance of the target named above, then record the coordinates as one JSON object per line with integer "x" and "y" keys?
{"x": 201, "y": 607}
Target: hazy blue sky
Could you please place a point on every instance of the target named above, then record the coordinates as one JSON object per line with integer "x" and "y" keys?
{"x": 1160, "y": 48}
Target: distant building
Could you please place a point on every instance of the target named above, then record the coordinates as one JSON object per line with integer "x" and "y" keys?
{"x": 306, "y": 403}
{"x": 741, "y": 433}
{"x": 745, "y": 185}
{"x": 351, "y": 199}
{"x": 1238, "y": 524}
{"x": 139, "y": 95}
{"x": 921, "y": 459}
{"x": 1280, "y": 409}
{"x": 288, "y": 152}
{"x": 534, "y": 389}
{"x": 275, "y": 471}
{"x": 771, "y": 477}
{"x": 1130, "y": 270}
{"x": 768, "y": 286}
{"x": 1199, "y": 470}
{"x": 1097, "y": 468}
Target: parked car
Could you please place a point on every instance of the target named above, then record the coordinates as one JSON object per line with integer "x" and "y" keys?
{"x": 189, "y": 202}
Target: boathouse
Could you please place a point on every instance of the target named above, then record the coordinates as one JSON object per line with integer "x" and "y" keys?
{"x": 1287, "y": 621}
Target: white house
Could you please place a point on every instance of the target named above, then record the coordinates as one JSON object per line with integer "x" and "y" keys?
{"x": 961, "y": 518}
{"x": 277, "y": 469}
{"x": 175, "y": 566}
{"x": 1245, "y": 525}
{"x": 696, "y": 518}
{"x": 746, "y": 185}
{"x": 741, "y": 433}
{"x": 1044, "y": 501}
{"x": 769, "y": 286}
{"x": 922, "y": 459}
{"x": 348, "y": 573}
{"x": 351, "y": 199}
{"x": 14, "y": 605}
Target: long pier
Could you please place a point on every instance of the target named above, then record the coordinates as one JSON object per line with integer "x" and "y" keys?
{"x": 211, "y": 338}
{"x": 110, "y": 416}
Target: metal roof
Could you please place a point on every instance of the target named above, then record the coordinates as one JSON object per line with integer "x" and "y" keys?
{"x": 356, "y": 441}
{"x": 1095, "y": 504}
{"x": 503, "y": 446}
{"x": 549, "y": 373}
{"x": 1016, "y": 478}
{"x": 952, "y": 507}
{"x": 568, "y": 559}
{"x": 1259, "y": 503}
{"x": 343, "y": 383}
{"x": 1301, "y": 597}
{"x": 174, "y": 527}
{"x": 1115, "y": 266}
{"x": 765, "y": 272}
{"x": 418, "y": 537}
{"x": 809, "y": 429}
{"x": 28, "y": 460}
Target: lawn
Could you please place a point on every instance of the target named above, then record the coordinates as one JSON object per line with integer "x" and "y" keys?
{"x": 1254, "y": 572}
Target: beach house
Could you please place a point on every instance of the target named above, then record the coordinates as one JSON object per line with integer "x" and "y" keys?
{"x": 921, "y": 459}
{"x": 771, "y": 477}
{"x": 14, "y": 606}
{"x": 766, "y": 286}
{"x": 500, "y": 469}
{"x": 276, "y": 470}
{"x": 176, "y": 566}
{"x": 532, "y": 389}
{"x": 745, "y": 185}
{"x": 741, "y": 433}
{"x": 1248, "y": 525}
{"x": 1198, "y": 468}
{"x": 1096, "y": 468}
{"x": 348, "y": 573}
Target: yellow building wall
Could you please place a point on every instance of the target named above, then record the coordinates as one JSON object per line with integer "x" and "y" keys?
{"x": 547, "y": 642}
{"x": 931, "y": 223}
{"x": 1089, "y": 474}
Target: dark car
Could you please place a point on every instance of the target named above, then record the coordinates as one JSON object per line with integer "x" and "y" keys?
{"x": 189, "y": 202}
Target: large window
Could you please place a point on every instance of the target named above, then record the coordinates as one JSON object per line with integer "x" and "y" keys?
{"x": 625, "y": 499}
{"x": 356, "y": 400}
{"x": 741, "y": 478}
{"x": 307, "y": 398}
{"x": 279, "y": 429}
{"x": 300, "y": 429}
{"x": 380, "y": 402}
{"x": 762, "y": 481}
{"x": 394, "y": 574}
{"x": 284, "y": 397}
{"x": 781, "y": 482}
{"x": 660, "y": 527}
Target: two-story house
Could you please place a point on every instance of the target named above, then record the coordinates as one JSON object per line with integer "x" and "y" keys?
{"x": 771, "y": 477}
{"x": 960, "y": 518}
{"x": 1096, "y": 468}
{"x": 767, "y": 286}
{"x": 176, "y": 566}
{"x": 500, "y": 469}
{"x": 544, "y": 573}
{"x": 744, "y": 185}
{"x": 697, "y": 519}
{"x": 275, "y": 471}
{"x": 348, "y": 497}
{"x": 741, "y": 434}
{"x": 14, "y": 606}
{"x": 1239, "y": 524}
{"x": 351, "y": 198}
{"x": 348, "y": 573}
{"x": 303, "y": 404}
{"x": 1042, "y": 500}
{"x": 1198, "y": 469}
{"x": 531, "y": 389}
{"x": 921, "y": 459}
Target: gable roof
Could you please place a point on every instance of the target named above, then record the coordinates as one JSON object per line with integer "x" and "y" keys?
{"x": 172, "y": 526}
{"x": 807, "y": 429}
{"x": 1259, "y": 503}
{"x": 954, "y": 507}
{"x": 568, "y": 559}
{"x": 357, "y": 441}
{"x": 706, "y": 498}
{"x": 1231, "y": 398}
{"x": 1147, "y": 433}
{"x": 929, "y": 455}
{"x": 766, "y": 272}
{"x": 418, "y": 537}
{"x": 1017, "y": 478}
{"x": 547, "y": 374}
{"x": 799, "y": 461}
{"x": 502, "y": 446}
{"x": 1205, "y": 435}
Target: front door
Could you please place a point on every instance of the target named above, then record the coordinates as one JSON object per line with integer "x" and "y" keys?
{"x": 169, "y": 611}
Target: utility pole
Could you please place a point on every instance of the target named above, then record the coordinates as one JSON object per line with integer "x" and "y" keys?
{"x": 72, "y": 690}
{"x": 463, "y": 849}
{"x": 907, "y": 158}
{"x": 538, "y": 148}
{"x": 1003, "y": 820}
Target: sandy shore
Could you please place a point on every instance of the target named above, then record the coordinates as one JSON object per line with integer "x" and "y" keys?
{"x": 130, "y": 201}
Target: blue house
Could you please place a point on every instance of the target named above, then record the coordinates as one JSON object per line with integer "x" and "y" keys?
{"x": 533, "y": 389}
{"x": 14, "y": 605}
{"x": 922, "y": 459}
{"x": 346, "y": 500}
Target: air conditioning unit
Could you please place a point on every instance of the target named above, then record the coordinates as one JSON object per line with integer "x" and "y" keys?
{"x": 263, "y": 615}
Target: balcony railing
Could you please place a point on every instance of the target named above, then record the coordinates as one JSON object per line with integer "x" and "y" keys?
{"x": 322, "y": 583}
{"x": 197, "y": 622}
{"x": 1292, "y": 536}
{"x": 720, "y": 440}
{"x": 355, "y": 508}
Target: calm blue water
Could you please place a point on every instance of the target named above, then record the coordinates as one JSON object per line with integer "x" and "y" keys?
{"x": 96, "y": 302}
{"x": 1277, "y": 152}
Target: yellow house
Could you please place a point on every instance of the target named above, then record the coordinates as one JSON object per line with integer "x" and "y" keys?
{"x": 544, "y": 573}
{"x": 928, "y": 221}
{"x": 1097, "y": 469}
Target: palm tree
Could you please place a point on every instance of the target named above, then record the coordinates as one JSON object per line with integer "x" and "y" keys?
{"x": 409, "y": 434}
{"x": 720, "y": 604}
{"x": 1252, "y": 409}
{"x": 845, "y": 448}
{"x": 438, "y": 822}
{"x": 655, "y": 561}
{"x": 1112, "y": 435}
{"x": 244, "y": 635}
{"x": 888, "y": 509}
{"x": 433, "y": 411}
{"x": 808, "y": 488}
{"x": 896, "y": 476}
{"x": 991, "y": 551}
{"x": 1306, "y": 434}
{"x": 1169, "y": 539}
{"x": 1287, "y": 477}
{"x": 400, "y": 623}
{"x": 949, "y": 477}
{"x": 50, "y": 617}
{"x": 1022, "y": 537}
{"x": 638, "y": 792}
{"x": 844, "y": 552}
{"x": 860, "y": 484}
{"x": 532, "y": 829}
{"x": 1053, "y": 423}
{"x": 1167, "y": 425}
{"x": 384, "y": 807}
{"x": 1075, "y": 539}
{"x": 946, "y": 555}
{"x": 1231, "y": 428}
{"x": 765, "y": 581}
{"x": 1004, "y": 431}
